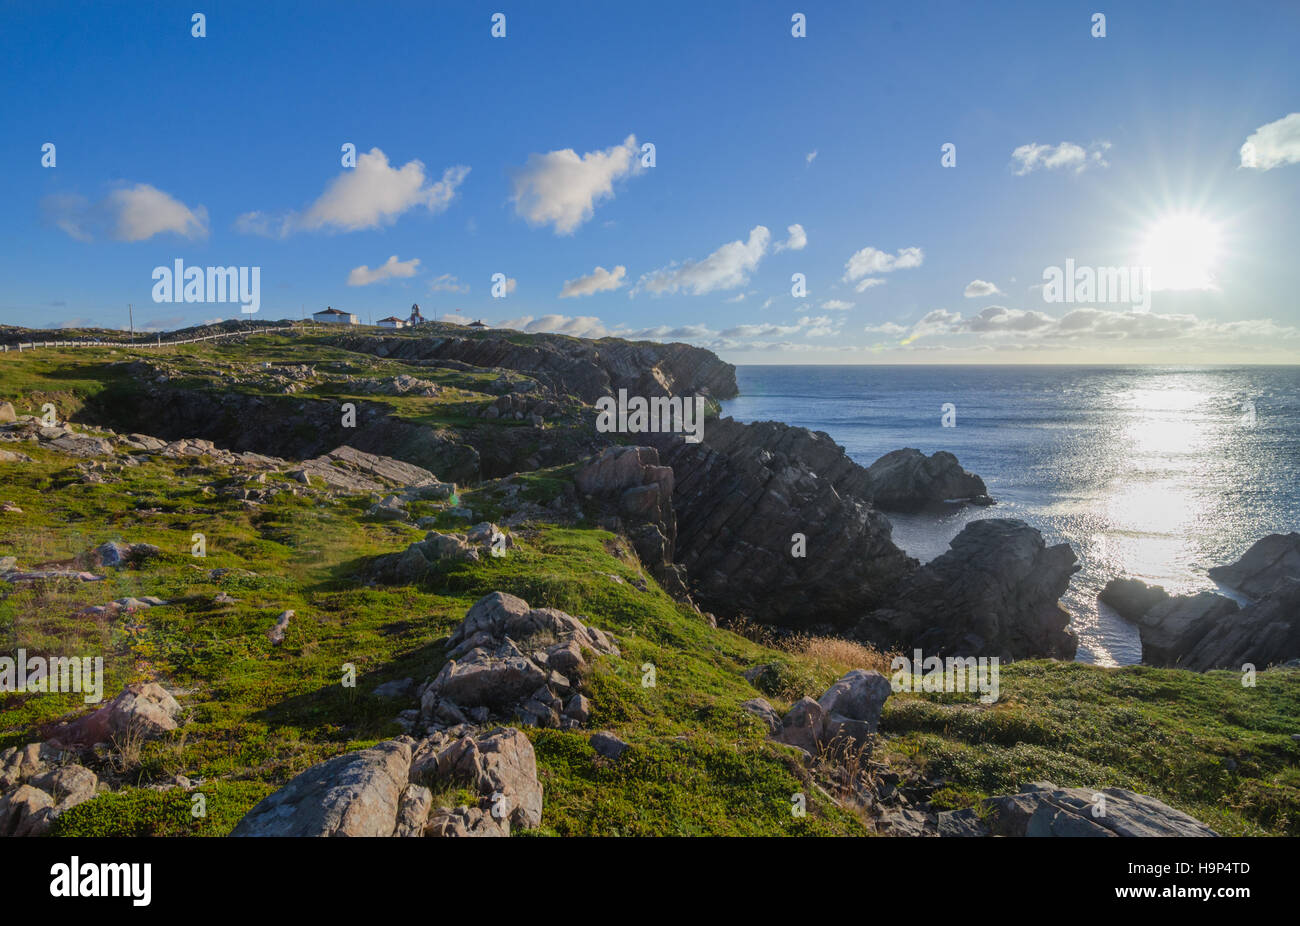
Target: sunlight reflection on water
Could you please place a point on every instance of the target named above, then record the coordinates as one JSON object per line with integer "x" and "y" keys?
{"x": 1150, "y": 472}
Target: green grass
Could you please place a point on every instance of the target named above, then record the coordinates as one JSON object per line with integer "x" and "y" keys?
{"x": 259, "y": 714}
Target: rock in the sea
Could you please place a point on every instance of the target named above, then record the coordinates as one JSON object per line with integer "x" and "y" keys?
{"x": 1172, "y": 628}
{"x": 1131, "y": 598}
{"x": 1262, "y": 567}
{"x": 776, "y": 523}
{"x": 1043, "y": 809}
{"x": 996, "y": 592}
{"x": 908, "y": 480}
{"x": 1264, "y": 633}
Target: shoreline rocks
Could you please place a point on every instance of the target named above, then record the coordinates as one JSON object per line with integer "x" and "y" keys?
{"x": 908, "y": 481}
{"x": 996, "y": 592}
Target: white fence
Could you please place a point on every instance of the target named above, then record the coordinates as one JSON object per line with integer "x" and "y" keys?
{"x": 33, "y": 345}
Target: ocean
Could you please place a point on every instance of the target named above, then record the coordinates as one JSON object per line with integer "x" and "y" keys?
{"x": 1153, "y": 472}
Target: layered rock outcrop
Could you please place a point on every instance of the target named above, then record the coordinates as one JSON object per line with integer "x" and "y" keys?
{"x": 743, "y": 494}
{"x": 1261, "y": 568}
{"x": 634, "y": 495}
{"x": 996, "y": 592}
{"x": 1043, "y": 809}
{"x": 584, "y": 368}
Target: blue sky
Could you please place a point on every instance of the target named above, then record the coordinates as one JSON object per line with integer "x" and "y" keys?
{"x": 521, "y": 156}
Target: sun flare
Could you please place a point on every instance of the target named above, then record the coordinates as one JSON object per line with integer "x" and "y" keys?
{"x": 1182, "y": 249}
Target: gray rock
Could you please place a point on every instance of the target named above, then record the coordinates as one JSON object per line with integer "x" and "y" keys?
{"x": 608, "y": 745}
{"x": 399, "y": 688}
{"x": 356, "y": 794}
{"x": 764, "y": 711}
{"x": 1172, "y": 628}
{"x": 804, "y": 726}
{"x": 25, "y": 812}
{"x": 996, "y": 592}
{"x": 908, "y": 480}
{"x": 1131, "y": 598}
{"x": 1263, "y": 566}
{"x": 276, "y": 633}
{"x": 22, "y": 763}
{"x": 502, "y": 766}
{"x": 1043, "y": 809}
{"x": 68, "y": 785}
{"x": 853, "y": 706}
{"x": 142, "y": 709}
{"x": 413, "y": 810}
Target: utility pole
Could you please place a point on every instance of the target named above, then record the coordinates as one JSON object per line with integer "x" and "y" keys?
{"x": 130, "y": 314}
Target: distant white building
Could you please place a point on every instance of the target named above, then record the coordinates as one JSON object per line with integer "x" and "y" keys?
{"x": 333, "y": 316}
{"x": 391, "y": 321}
{"x": 477, "y": 324}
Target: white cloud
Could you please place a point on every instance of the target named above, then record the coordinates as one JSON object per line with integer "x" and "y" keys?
{"x": 578, "y": 326}
{"x": 389, "y": 270}
{"x": 1068, "y": 155}
{"x": 446, "y": 283}
{"x": 1085, "y": 327}
{"x": 371, "y": 195}
{"x": 797, "y": 241}
{"x": 978, "y": 289}
{"x": 871, "y": 260}
{"x": 869, "y": 282}
{"x": 837, "y": 305}
{"x": 819, "y": 327}
{"x": 810, "y": 157}
{"x": 560, "y": 188}
{"x": 129, "y": 213}
{"x": 1273, "y": 145}
{"x": 726, "y": 268}
{"x": 599, "y": 280}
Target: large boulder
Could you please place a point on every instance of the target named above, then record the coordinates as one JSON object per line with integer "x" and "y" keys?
{"x": 908, "y": 480}
{"x": 742, "y": 495}
{"x": 1043, "y": 809}
{"x": 1264, "y": 633}
{"x": 1261, "y": 568}
{"x": 25, "y": 811}
{"x": 143, "y": 709}
{"x": 853, "y": 706}
{"x": 355, "y": 794}
{"x": 397, "y": 787}
{"x": 1131, "y": 598}
{"x": 507, "y": 659}
{"x": 1170, "y": 629}
{"x": 996, "y": 592}
{"x": 502, "y": 766}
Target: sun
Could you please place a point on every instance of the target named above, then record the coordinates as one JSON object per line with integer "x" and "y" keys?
{"x": 1182, "y": 249}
